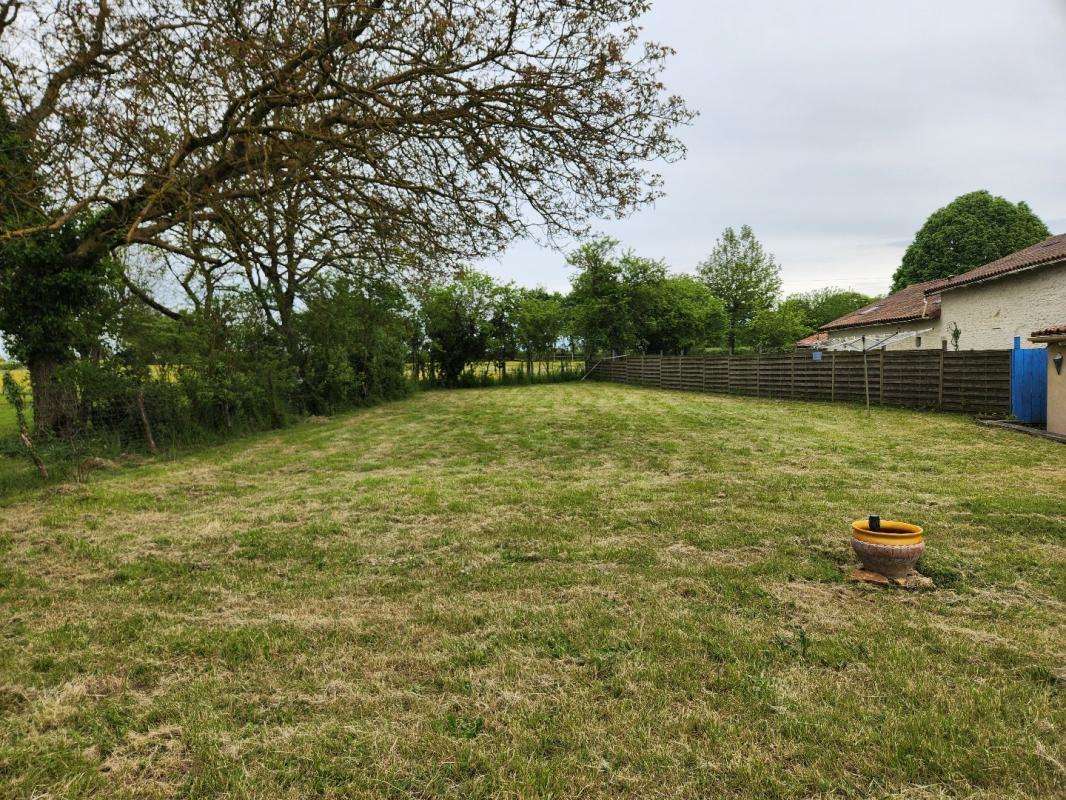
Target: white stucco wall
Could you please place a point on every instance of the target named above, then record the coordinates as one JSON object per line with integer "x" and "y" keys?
{"x": 931, "y": 335}
{"x": 1056, "y": 390}
{"x": 990, "y": 315}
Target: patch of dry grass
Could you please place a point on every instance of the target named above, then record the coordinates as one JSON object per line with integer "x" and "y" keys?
{"x": 554, "y": 591}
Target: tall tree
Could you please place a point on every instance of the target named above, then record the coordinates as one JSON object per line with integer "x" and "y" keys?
{"x": 743, "y": 276}
{"x": 503, "y": 340}
{"x": 43, "y": 309}
{"x": 971, "y": 230}
{"x": 442, "y": 128}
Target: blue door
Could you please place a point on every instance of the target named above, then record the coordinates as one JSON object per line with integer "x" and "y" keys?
{"x": 1028, "y": 383}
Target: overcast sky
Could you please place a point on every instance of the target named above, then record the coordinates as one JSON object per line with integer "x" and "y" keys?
{"x": 835, "y": 127}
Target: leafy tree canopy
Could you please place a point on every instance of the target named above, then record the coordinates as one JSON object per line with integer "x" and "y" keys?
{"x": 972, "y": 230}
{"x": 743, "y": 276}
{"x": 598, "y": 298}
{"x": 458, "y": 322}
{"x": 821, "y": 306}
{"x": 540, "y": 321}
{"x": 776, "y": 329}
{"x": 626, "y": 303}
{"x": 685, "y": 316}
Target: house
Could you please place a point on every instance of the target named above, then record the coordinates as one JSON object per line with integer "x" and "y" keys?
{"x": 988, "y": 308}
{"x": 1055, "y": 340}
{"x": 908, "y": 318}
{"x": 995, "y": 305}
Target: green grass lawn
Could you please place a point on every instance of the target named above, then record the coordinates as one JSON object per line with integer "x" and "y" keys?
{"x": 575, "y": 590}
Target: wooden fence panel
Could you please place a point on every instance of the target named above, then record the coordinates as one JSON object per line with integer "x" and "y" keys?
{"x": 671, "y": 372}
{"x": 911, "y": 378}
{"x": 742, "y": 375}
{"x": 975, "y": 381}
{"x": 690, "y": 374}
{"x": 716, "y": 374}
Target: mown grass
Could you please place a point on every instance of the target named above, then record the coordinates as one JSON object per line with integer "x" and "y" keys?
{"x": 558, "y": 591}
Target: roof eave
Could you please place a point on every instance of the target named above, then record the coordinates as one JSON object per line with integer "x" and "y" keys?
{"x": 996, "y": 277}
{"x": 889, "y": 321}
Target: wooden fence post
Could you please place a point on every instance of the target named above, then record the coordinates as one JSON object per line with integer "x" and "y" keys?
{"x": 792, "y": 381}
{"x": 940, "y": 383}
{"x": 833, "y": 376}
{"x": 881, "y": 379}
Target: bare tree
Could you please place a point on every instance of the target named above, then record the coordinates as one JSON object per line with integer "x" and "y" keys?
{"x": 438, "y": 128}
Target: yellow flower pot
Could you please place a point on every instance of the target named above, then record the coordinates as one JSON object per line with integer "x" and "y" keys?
{"x": 893, "y": 550}
{"x": 891, "y": 532}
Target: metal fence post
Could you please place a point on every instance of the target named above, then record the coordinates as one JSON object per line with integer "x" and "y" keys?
{"x": 865, "y": 371}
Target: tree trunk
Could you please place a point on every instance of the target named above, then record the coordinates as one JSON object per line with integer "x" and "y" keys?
{"x": 54, "y": 405}
{"x": 148, "y": 438}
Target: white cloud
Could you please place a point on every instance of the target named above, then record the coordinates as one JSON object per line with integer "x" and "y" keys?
{"x": 834, "y": 127}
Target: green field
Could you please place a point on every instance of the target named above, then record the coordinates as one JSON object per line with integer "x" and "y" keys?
{"x": 571, "y": 590}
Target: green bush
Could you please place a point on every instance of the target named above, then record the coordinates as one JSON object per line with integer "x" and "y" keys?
{"x": 226, "y": 369}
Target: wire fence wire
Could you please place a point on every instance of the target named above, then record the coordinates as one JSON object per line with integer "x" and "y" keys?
{"x": 100, "y": 429}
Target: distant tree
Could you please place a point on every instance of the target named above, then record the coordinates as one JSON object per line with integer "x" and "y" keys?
{"x": 743, "y": 276}
{"x": 540, "y": 321}
{"x": 597, "y": 300}
{"x": 685, "y": 316}
{"x": 629, "y": 303}
{"x": 821, "y": 306}
{"x": 503, "y": 331}
{"x": 972, "y": 230}
{"x": 458, "y": 322}
{"x": 775, "y": 329}
{"x": 642, "y": 288}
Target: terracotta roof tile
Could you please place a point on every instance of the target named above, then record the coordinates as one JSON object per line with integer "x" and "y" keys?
{"x": 1045, "y": 252}
{"x": 907, "y": 304}
{"x": 1054, "y": 330}
{"x": 815, "y": 338}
